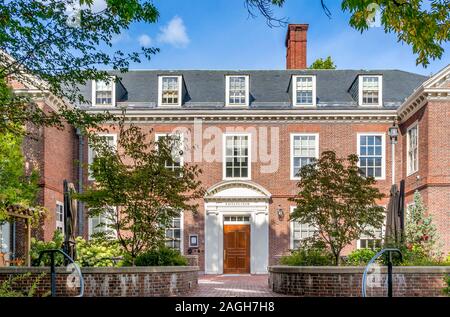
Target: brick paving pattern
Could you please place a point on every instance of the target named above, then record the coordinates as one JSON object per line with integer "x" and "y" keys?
{"x": 233, "y": 286}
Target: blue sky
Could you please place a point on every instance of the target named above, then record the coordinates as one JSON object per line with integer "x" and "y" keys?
{"x": 219, "y": 34}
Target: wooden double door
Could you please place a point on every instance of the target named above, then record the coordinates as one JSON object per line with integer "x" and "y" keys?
{"x": 236, "y": 249}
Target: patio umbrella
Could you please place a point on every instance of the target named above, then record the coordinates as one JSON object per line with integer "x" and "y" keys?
{"x": 70, "y": 220}
{"x": 393, "y": 228}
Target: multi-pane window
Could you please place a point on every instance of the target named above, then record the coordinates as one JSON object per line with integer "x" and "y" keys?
{"x": 300, "y": 232}
{"x": 60, "y": 217}
{"x": 237, "y": 90}
{"x": 304, "y": 149}
{"x": 371, "y": 242}
{"x": 237, "y": 158}
{"x": 236, "y": 218}
{"x": 170, "y": 90}
{"x": 371, "y": 155}
{"x": 175, "y": 142}
{"x": 5, "y": 233}
{"x": 371, "y": 90}
{"x": 111, "y": 141}
{"x": 173, "y": 234}
{"x": 104, "y": 93}
{"x": 101, "y": 223}
{"x": 304, "y": 88}
{"x": 413, "y": 150}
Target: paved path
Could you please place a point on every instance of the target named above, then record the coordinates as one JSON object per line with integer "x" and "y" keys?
{"x": 232, "y": 286}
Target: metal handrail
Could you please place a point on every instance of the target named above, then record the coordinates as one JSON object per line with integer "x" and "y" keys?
{"x": 53, "y": 272}
{"x": 376, "y": 256}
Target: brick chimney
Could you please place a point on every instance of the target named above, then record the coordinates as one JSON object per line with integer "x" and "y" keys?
{"x": 296, "y": 46}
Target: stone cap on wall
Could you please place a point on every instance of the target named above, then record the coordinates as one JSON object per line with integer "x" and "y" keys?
{"x": 355, "y": 269}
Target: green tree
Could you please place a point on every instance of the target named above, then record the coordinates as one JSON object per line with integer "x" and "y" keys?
{"x": 16, "y": 186}
{"x": 338, "y": 201}
{"x": 424, "y": 25}
{"x": 419, "y": 228}
{"x": 321, "y": 63}
{"x": 133, "y": 178}
{"x": 56, "y": 46}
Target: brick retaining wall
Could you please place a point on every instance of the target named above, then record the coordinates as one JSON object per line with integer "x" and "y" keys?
{"x": 100, "y": 282}
{"x": 346, "y": 281}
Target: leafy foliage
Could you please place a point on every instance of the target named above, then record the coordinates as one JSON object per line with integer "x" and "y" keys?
{"x": 56, "y": 46}
{"x": 309, "y": 254}
{"x": 420, "y": 232}
{"x": 98, "y": 253}
{"x": 360, "y": 257}
{"x": 133, "y": 177}
{"x": 338, "y": 201}
{"x": 16, "y": 186}
{"x": 37, "y": 246}
{"x": 162, "y": 256}
{"x": 11, "y": 287}
{"x": 446, "y": 290}
{"x": 424, "y": 25}
{"x": 321, "y": 63}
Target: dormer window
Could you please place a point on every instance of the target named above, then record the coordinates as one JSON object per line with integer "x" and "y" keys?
{"x": 304, "y": 90}
{"x": 103, "y": 93}
{"x": 170, "y": 90}
{"x": 370, "y": 90}
{"x": 237, "y": 90}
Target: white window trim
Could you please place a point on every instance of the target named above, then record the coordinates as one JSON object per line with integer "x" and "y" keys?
{"x": 408, "y": 171}
{"x": 227, "y": 91}
{"x": 383, "y": 150}
{"x": 383, "y": 229}
{"x": 180, "y": 90}
{"x": 169, "y": 134}
{"x": 380, "y": 91}
{"x": 240, "y": 222}
{"x": 90, "y": 178}
{"x": 291, "y": 228}
{"x": 90, "y": 229}
{"x": 113, "y": 94}
{"x": 294, "y": 91}
{"x": 56, "y": 215}
{"x": 293, "y": 177}
{"x": 182, "y": 232}
{"x": 224, "y": 152}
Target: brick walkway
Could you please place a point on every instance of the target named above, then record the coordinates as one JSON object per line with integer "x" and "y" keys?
{"x": 233, "y": 285}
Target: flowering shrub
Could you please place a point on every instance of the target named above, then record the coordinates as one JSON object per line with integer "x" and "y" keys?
{"x": 98, "y": 253}
{"x": 360, "y": 257}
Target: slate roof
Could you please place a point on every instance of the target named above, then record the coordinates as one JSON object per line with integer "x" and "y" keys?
{"x": 269, "y": 89}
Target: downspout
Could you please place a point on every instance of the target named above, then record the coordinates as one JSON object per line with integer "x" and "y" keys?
{"x": 80, "y": 182}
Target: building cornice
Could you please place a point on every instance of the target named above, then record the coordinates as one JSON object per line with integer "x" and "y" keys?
{"x": 214, "y": 116}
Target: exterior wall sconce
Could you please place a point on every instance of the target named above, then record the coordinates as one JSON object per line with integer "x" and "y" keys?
{"x": 280, "y": 212}
{"x": 393, "y": 134}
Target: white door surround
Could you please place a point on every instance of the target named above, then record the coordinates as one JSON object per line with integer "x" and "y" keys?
{"x": 240, "y": 198}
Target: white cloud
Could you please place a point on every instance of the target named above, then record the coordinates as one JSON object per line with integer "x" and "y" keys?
{"x": 98, "y": 5}
{"x": 145, "y": 40}
{"x": 122, "y": 37}
{"x": 174, "y": 33}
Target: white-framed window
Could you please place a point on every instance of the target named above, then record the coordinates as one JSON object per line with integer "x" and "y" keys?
{"x": 236, "y": 219}
{"x": 304, "y": 90}
{"x": 370, "y": 90}
{"x": 59, "y": 215}
{"x": 5, "y": 237}
{"x": 412, "y": 148}
{"x": 371, "y": 242}
{"x": 304, "y": 149}
{"x": 299, "y": 232}
{"x": 112, "y": 141}
{"x": 170, "y": 90}
{"x": 372, "y": 154}
{"x": 237, "y": 156}
{"x": 103, "y": 92}
{"x": 174, "y": 234}
{"x": 100, "y": 223}
{"x": 177, "y": 143}
{"x": 237, "y": 90}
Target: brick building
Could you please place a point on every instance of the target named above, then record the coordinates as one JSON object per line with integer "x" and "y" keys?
{"x": 250, "y": 132}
